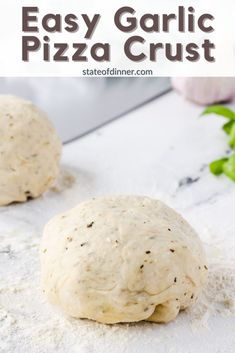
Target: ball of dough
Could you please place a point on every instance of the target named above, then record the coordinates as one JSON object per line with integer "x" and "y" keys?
{"x": 122, "y": 259}
{"x": 29, "y": 151}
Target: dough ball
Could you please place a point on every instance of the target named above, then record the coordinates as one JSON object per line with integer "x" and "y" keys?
{"x": 29, "y": 151}
{"x": 122, "y": 259}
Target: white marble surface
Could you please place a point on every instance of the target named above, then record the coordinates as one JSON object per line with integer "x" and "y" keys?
{"x": 150, "y": 151}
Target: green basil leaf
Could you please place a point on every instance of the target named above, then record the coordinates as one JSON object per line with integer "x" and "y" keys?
{"x": 228, "y": 127}
{"x": 229, "y": 167}
{"x": 232, "y": 134}
{"x": 220, "y": 110}
{"x": 216, "y": 167}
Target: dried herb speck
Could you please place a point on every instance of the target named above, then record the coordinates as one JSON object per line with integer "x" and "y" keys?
{"x": 206, "y": 268}
{"x": 175, "y": 279}
{"x": 83, "y": 244}
{"x": 172, "y": 250}
{"x": 141, "y": 267}
{"x": 90, "y": 225}
{"x": 148, "y": 252}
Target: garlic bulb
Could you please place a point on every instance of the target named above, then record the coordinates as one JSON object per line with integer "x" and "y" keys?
{"x": 205, "y": 90}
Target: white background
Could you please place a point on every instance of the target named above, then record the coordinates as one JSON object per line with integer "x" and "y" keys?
{"x": 11, "y": 37}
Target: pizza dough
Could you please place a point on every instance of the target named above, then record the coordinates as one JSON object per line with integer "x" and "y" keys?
{"x": 29, "y": 151}
{"x": 122, "y": 259}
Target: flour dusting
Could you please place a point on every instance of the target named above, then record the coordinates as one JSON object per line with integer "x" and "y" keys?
{"x": 64, "y": 181}
{"x": 218, "y": 296}
{"x": 28, "y": 324}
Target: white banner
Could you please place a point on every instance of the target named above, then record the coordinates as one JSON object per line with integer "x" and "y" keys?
{"x": 100, "y": 38}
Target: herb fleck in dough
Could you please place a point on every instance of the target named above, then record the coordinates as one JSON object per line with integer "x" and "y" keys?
{"x": 29, "y": 151}
{"x": 122, "y": 259}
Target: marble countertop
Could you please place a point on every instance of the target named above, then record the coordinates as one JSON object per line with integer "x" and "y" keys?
{"x": 161, "y": 150}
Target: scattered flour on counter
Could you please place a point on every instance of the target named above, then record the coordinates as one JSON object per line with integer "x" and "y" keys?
{"x": 28, "y": 324}
{"x": 64, "y": 181}
{"x": 218, "y": 296}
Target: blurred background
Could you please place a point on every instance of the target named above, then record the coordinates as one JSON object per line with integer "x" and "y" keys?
{"x": 79, "y": 105}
